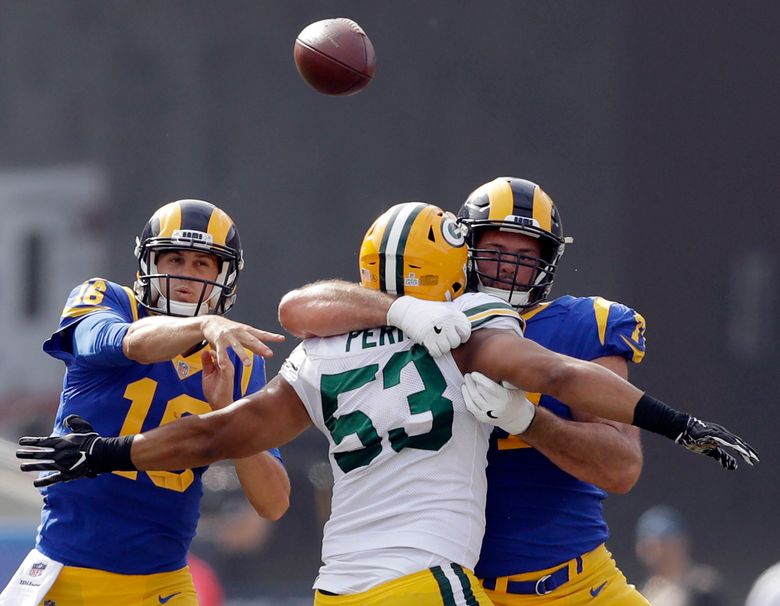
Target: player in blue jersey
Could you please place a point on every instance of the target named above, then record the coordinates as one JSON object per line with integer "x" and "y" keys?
{"x": 136, "y": 359}
{"x": 545, "y": 533}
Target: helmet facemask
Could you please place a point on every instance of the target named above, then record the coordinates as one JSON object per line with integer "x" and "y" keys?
{"x": 486, "y": 265}
{"x": 160, "y": 284}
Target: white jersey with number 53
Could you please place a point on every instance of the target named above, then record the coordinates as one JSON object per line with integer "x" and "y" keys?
{"x": 408, "y": 459}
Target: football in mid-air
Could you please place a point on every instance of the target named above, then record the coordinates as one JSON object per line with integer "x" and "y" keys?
{"x": 335, "y": 57}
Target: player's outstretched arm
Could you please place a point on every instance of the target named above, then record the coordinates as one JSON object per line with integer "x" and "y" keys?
{"x": 269, "y": 418}
{"x": 335, "y": 307}
{"x": 162, "y": 338}
{"x": 332, "y": 307}
{"x": 592, "y": 389}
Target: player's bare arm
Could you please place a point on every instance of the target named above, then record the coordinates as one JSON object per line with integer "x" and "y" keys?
{"x": 266, "y": 419}
{"x": 160, "y": 338}
{"x": 592, "y": 389}
{"x": 332, "y": 307}
{"x": 335, "y": 307}
{"x": 592, "y": 449}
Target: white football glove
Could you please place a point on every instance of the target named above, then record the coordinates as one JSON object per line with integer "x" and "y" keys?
{"x": 438, "y": 326}
{"x": 503, "y": 406}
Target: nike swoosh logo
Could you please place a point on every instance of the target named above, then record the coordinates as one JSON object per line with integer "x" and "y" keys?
{"x": 597, "y": 590}
{"x": 437, "y": 330}
{"x": 166, "y": 599}
{"x": 491, "y": 415}
{"x": 82, "y": 458}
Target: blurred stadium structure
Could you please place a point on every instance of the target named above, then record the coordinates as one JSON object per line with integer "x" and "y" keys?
{"x": 654, "y": 126}
{"x": 19, "y": 507}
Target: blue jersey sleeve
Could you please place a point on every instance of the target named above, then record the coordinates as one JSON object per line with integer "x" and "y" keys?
{"x": 625, "y": 335}
{"x": 97, "y": 341}
{"x": 607, "y": 328}
{"x": 104, "y": 304}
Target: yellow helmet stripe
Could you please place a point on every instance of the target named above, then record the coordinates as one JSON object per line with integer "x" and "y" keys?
{"x": 219, "y": 226}
{"x": 170, "y": 219}
{"x": 543, "y": 206}
{"x": 502, "y": 200}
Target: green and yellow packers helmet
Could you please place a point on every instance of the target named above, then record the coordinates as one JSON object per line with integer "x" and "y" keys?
{"x": 521, "y": 206}
{"x": 188, "y": 225}
{"x": 415, "y": 249}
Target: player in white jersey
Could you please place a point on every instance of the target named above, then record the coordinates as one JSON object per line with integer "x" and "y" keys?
{"x": 408, "y": 460}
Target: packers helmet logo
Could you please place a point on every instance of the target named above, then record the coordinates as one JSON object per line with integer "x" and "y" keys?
{"x": 452, "y": 231}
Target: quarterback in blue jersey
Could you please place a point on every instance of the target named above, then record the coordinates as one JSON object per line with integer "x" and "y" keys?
{"x": 545, "y": 529}
{"x": 137, "y": 359}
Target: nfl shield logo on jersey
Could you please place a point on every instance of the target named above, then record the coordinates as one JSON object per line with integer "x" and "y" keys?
{"x": 37, "y": 569}
{"x": 183, "y": 369}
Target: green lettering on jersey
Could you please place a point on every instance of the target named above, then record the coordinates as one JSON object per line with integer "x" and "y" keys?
{"x": 368, "y": 334}
{"x": 354, "y": 422}
{"x": 389, "y": 332}
{"x": 430, "y": 399}
{"x": 359, "y": 423}
{"x": 353, "y": 334}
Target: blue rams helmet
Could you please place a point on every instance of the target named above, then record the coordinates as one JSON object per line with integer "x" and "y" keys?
{"x": 521, "y": 206}
{"x": 188, "y": 225}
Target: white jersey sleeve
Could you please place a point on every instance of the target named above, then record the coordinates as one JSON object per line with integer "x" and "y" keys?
{"x": 487, "y": 311}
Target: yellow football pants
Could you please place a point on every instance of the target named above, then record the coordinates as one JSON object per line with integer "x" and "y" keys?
{"x": 88, "y": 587}
{"x": 598, "y": 583}
{"x": 449, "y": 585}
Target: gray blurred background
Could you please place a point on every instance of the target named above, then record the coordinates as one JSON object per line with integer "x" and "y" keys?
{"x": 654, "y": 127}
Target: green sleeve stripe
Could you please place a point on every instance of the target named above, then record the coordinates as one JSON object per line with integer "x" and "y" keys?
{"x": 487, "y": 306}
{"x": 481, "y": 321}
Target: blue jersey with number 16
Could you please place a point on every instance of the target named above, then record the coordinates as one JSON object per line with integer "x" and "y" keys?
{"x": 124, "y": 522}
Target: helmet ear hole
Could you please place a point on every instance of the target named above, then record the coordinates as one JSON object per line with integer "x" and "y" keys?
{"x": 431, "y": 236}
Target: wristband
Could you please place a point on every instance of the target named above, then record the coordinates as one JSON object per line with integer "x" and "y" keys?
{"x": 653, "y": 415}
{"x": 111, "y": 454}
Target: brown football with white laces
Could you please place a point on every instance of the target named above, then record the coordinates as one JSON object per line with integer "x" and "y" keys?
{"x": 335, "y": 57}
